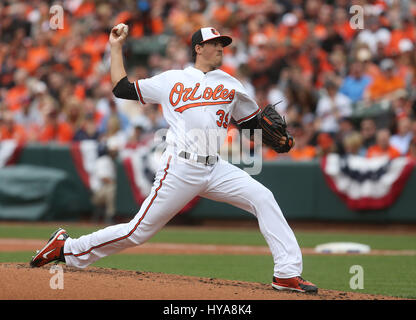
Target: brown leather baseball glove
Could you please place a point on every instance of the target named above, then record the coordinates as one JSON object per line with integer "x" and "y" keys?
{"x": 274, "y": 132}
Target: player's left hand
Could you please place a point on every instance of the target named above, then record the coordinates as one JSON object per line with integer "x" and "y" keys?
{"x": 289, "y": 140}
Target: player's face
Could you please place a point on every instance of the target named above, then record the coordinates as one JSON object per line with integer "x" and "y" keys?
{"x": 212, "y": 52}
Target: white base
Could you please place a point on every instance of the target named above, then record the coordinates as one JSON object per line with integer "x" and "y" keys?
{"x": 342, "y": 247}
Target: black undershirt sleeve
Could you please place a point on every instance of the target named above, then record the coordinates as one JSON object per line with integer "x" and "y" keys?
{"x": 125, "y": 90}
{"x": 251, "y": 124}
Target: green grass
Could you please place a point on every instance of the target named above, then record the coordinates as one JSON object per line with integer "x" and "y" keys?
{"x": 40, "y": 231}
{"x": 231, "y": 237}
{"x": 387, "y": 275}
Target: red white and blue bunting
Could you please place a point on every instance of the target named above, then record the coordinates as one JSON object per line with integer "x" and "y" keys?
{"x": 366, "y": 183}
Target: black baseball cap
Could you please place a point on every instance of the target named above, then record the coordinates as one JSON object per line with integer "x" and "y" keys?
{"x": 206, "y": 34}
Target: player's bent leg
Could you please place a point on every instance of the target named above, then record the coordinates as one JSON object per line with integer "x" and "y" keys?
{"x": 234, "y": 186}
{"x": 170, "y": 193}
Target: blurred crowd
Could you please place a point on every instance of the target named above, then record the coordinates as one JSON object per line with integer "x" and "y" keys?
{"x": 346, "y": 83}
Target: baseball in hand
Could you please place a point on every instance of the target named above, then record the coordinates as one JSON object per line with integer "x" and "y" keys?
{"x": 121, "y": 28}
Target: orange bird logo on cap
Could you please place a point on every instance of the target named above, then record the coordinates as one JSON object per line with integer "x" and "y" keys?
{"x": 214, "y": 31}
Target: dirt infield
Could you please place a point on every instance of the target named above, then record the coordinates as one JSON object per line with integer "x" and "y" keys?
{"x": 20, "y": 282}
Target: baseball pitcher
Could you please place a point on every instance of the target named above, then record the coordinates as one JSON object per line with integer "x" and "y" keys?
{"x": 198, "y": 103}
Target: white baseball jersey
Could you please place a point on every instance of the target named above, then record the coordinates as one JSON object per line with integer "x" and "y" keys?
{"x": 198, "y": 106}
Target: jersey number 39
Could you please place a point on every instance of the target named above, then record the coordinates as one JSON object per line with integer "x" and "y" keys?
{"x": 223, "y": 119}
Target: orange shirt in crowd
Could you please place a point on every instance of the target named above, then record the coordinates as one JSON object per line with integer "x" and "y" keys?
{"x": 15, "y": 96}
{"x": 95, "y": 45}
{"x": 297, "y": 34}
{"x": 306, "y": 153}
{"x": 33, "y": 59}
{"x": 393, "y": 47}
{"x": 253, "y": 2}
{"x": 345, "y": 30}
{"x": 17, "y": 132}
{"x": 63, "y": 133}
{"x": 79, "y": 66}
{"x": 269, "y": 154}
{"x": 85, "y": 9}
{"x": 137, "y": 29}
{"x": 156, "y": 24}
{"x": 376, "y": 151}
{"x": 221, "y": 13}
{"x": 395, "y": 38}
{"x": 382, "y": 86}
{"x": 320, "y": 31}
{"x": 38, "y": 55}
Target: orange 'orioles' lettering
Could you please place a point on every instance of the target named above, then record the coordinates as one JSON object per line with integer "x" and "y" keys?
{"x": 217, "y": 92}
{"x": 207, "y": 93}
{"x": 180, "y": 93}
{"x": 178, "y": 89}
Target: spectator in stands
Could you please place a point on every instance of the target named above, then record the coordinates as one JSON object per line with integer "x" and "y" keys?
{"x": 368, "y": 130}
{"x": 154, "y": 117}
{"x": 388, "y": 85}
{"x": 383, "y": 146}
{"x": 373, "y": 34}
{"x": 355, "y": 84}
{"x": 30, "y": 118}
{"x": 104, "y": 183}
{"x": 301, "y": 151}
{"x": 123, "y": 120}
{"x": 140, "y": 132}
{"x": 325, "y": 144}
{"x": 363, "y": 54}
{"x": 300, "y": 93}
{"x": 73, "y": 112}
{"x": 54, "y": 129}
{"x": 353, "y": 144}
{"x": 10, "y": 130}
{"x": 114, "y": 130}
{"x": 260, "y": 60}
{"x": 401, "y": 139}
{"x": 332, "y": 106}
{"x": 88, "y": 129}
{"x": 19, "y": 93}
{"x": 405, "y": 62}
{"x": 346, "y": 127}
{"x": 341, "y": 21}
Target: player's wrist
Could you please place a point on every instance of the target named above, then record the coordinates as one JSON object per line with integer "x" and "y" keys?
{"x": 116, "y": 45}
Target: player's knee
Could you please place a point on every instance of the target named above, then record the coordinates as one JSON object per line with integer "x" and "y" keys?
{"x": 263, "y": 195}
{"x": 269, "y": 196}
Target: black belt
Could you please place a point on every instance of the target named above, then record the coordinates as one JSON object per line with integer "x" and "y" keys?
{"x": 207, "y": 160}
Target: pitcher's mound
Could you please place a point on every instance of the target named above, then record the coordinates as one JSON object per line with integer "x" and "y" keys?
{"x": 19, "y": 281}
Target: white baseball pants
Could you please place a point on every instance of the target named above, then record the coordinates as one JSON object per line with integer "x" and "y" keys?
{"x": 177, "y": 182}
